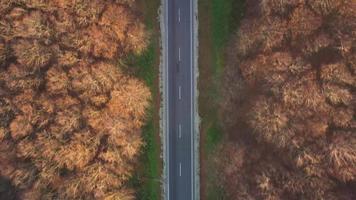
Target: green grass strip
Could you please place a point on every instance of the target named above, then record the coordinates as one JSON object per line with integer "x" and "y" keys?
{"x": 225, "y": 19}
{"x": 146, "y": 180}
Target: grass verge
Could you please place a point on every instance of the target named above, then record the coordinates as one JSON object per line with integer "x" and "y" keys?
{"x": 218, "y": 22}
{"x": 147, "y": 178}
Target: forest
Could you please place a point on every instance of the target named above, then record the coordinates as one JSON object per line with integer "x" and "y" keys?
{"x": 70, "y": 117}
{"x": 288, "y": 104}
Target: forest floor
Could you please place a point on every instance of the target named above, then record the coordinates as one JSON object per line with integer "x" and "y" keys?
{"x": 216, "y": 25}
{"x": 146, "y": 180}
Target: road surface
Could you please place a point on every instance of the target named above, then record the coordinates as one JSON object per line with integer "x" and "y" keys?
{"x": 180, "y": 100}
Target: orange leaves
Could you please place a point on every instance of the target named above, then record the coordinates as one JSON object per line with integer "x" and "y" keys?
{"x": 32, "y": 25}
{"x": 86, "y": 11}
{"x": 338, "y": 95}
{"x": 86, "y": 85}
{"x": 272, "y": 69}
{"x": 107, "y": 75}
{"x": 57, "y": 81}
{"x": 326, "y": 6}
{"x": 337, "y": 73}
{"x": 32, "y": 55}
{"x": 294, "y": 93}
{"x": 79, "y": 151}
{"x": 6, "y": 112}
{"x": 304, "y": 22}
{"x": 137, "y": 38}
{"x": 65, "y": 122}
{"x": 131, "y": 99}
{"x": 261, "y": 35}
{"x": 67, "y": 58}
{"x": 2, "y": 133}
{"x": 279, "y": 7}
{"x": 3, "y": 54}
{"x": 342, "y": 117}
{"x": 20, "y": 127}
{"x": 123, "y": 194}
{"x": 342, "y": 155}
{"x": 104, "y": 45}
{"x": 130, "y": 33}
{"x": 314, "y": 44}
{"x": 116, "y": 17}
{"x": 17, "y": 79}
{"x": 269, "y": 121}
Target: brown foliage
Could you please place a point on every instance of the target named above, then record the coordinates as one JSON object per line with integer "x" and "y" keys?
{"x": 32, "y": 55}
{"x": 20, "y": 127}
{"x": 104, "y": 44}
{"x": 31, "y": 25}
{"x": 70, "y": 119}
{"x": 325, "y": 7}
{"x": 290, "y": 102}
{"x": 342, "y": 156}
{"x": 125, "y": 28}
{"x": 3, "y": 54}
{"x": 304, "y": 22}
{"x": 17, "y": 78}
{"x": 56, "y": 81}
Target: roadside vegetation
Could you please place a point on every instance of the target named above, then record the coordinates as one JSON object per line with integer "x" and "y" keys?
{"x": 287, "y": 104}
{"x": 147, "y": 178}
{"x": 217, "y": 22}
{"x": 77, "y": 114}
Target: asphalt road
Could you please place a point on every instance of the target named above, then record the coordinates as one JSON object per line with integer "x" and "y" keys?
{"x": 180, "y": 100}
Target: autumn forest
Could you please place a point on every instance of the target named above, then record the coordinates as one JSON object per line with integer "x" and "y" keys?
{"x": 289, "y": 102}
{"x": 277, "y": 100}
{"x": 70, "y": 119}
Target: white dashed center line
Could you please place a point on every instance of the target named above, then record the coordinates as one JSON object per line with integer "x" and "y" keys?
{"x": 179, "y": 54}
{"x": 180, "y": 131}
{"x": 180, "y": 169}
{"x": 178, "y": 14}
{"x": 180, "y": 92}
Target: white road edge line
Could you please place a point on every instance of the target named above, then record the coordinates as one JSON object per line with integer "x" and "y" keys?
{"x": 180, "y": 92}
{"x": 180, "y": 131}
{"x": 192, "y": 100}
{"x": 167, "y": 97}
{"x": 180, "y": 169}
